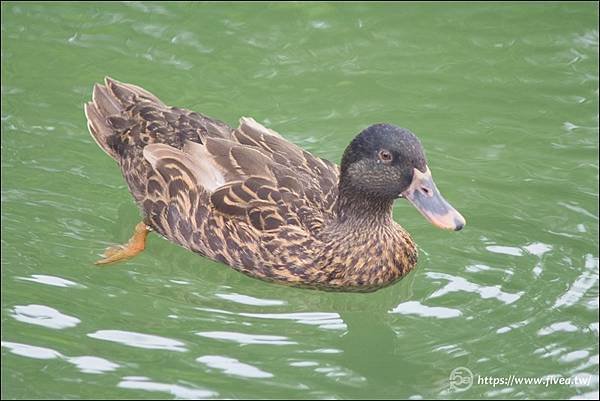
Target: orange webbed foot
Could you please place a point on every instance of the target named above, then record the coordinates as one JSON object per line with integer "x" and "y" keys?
{"x": 136, "y": 244}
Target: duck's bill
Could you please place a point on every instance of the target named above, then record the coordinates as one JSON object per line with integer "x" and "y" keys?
{"x": 424, "y": 195}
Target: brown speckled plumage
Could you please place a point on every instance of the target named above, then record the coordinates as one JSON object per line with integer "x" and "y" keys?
{"x": 259, "y": 204}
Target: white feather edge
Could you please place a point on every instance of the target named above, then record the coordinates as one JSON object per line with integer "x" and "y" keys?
{"x": 194, "y": 156}
{"x": 249, "y": 122}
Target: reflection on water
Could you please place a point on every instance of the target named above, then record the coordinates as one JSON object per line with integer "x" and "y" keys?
{"x": 567, "y": 327}
{"x": 231, "y": 366}
{"x": 246, "y": 300}
{"x": 30, "y": 351}
{"x": 92, "y": 364}
{"x": 139, "y": 340}
{"x": 86, "y": 364}
{"x": 507, "y": 250}
{"x": 50, "y": 280}
{"x": 587, "y": 280}
{"x": 458, "y": 284}
{"x": 322, "y": 319}
{"x": 143, "y": 383}
{"x": 417, "y": 308}
{"x": 44, "y": 316}
{"x": 243, "y": 338}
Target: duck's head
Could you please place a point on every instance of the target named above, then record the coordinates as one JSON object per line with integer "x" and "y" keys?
{"x": 385, "y": 162}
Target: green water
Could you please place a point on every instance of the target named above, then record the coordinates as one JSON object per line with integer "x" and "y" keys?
{"x": 505, "y": 100}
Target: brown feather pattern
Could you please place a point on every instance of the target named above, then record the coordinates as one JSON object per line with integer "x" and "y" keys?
{"x": 243, "y": 196}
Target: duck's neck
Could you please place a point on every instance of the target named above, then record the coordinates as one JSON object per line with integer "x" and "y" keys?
{"x": 363, "y": 248}
{"x": 360, "y": 210}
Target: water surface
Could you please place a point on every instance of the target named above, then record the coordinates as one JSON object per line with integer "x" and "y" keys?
{"x": 505, "y": 100}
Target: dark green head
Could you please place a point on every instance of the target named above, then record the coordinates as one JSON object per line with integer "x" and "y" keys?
{"x": 385, "y": 162}
{"x": 381, "y": 159}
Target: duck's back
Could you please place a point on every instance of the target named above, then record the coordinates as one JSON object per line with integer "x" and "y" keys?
{"x": 243, "y": 196}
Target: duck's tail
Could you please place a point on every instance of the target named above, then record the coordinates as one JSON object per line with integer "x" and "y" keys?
{"x": 105, "y": 113}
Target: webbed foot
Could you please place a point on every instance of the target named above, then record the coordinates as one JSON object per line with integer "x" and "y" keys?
{"x": 136, "y": 244}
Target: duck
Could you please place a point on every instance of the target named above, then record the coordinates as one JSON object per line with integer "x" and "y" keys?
{"x": 251, "y": 199}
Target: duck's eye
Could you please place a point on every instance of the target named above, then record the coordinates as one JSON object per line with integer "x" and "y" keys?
{"x": 385, "y": 156}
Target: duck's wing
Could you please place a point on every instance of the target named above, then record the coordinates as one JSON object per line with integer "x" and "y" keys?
{"x": 262, "y": 192}
{"x": 233, "y": 204}
{"x": 319, "y": 177}
{"x": 124, "y": 119}
{"x": 203, "y": 185}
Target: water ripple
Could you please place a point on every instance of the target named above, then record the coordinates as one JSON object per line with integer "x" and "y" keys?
{"x": 143, "y": 383}
{"x": 92, "y": 364}
{"x": 31, "y": 351}
{"x": 139, "y": 340}
{"x": 231, "y": 366}
{"x": 248, "y": 300}
{"x": 517, "y": 325}
{"x": 44, "y": 316}
{"x": 304, "y": 364}
{"x": 86, "y": 364}
{"x": 574, "y": 356}
{"x": 51, "y": 280}
{"x": 505, "y": 250}
{"x": 538, "y": 248}
{"x": 457, "y": 284}
{"x": 586, "y": 281}
{"x": 417, "y": 308}
{"x": 148, "y": 8}
{"x": 190, "y": 39}
{"x": 578, "y": 209}
{"x": 242, "y": 338}
{"x": 566, "y": 327}
{"x": 324, "y": 320}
